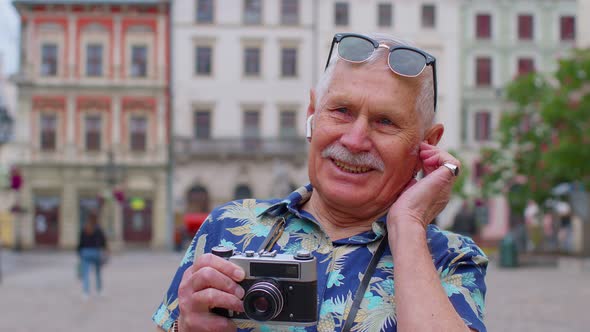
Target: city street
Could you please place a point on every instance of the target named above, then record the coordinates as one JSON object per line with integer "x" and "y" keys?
{"x": 40, "y": 292}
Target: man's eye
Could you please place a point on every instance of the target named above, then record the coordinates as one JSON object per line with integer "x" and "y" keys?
{"x": 385, "y": 122}
{"x": 342, "y": 110}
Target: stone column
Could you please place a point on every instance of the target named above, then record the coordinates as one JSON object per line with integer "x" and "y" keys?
{"x": 160, "y": 118}
{"x": 23, "y": 222}
{"x": 68, "y": 219}
{"x": 161, "y": 35}
{"x": 116, "y": 125}
{"x": 70, "y": 39}
{"x": 29, "y": 51}
{"x": 160, "y": 235}
{"x": 70, "y": 117}
{"x": 115, "y": 211}
{"x": 117, "y": 61}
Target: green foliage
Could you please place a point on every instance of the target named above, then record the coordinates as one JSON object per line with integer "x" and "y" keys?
{"x": 459, "y": 185}
{"x": 544, "y": 137}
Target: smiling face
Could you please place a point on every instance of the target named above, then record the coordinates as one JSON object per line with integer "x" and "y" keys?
{"x": 366, "y": 133}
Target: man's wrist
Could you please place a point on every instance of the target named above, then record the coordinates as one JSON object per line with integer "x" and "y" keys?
{"x": 408, "y": 228}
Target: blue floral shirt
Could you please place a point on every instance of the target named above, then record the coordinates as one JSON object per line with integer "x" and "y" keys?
{"x": 244, "y": 225}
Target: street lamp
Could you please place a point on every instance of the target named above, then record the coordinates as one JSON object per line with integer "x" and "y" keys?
{"x": 113, "y": 174}
{"x": 16, "y": 182}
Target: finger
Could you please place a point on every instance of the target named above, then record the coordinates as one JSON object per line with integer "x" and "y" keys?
{"x": 208, "y": 322}
{"x": 439, "y": 156}
{"x": 425, "y": 146}
{"x": 438, "y": 159}
{"x": 430, "y": 164}
{"x": 208, "y": 277}
{"x": 229, "y": 269}
{"x": 210, "y": 298}
{"x": 443, "y": 174}
{"x": 185, "y": 287}
{"x": 428, "y": 152}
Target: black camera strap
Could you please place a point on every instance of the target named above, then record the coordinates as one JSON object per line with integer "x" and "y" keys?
{"x": 360, "y": 292}
{"x": 274, "y": 235}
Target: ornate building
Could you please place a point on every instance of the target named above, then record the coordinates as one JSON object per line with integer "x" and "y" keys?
{"x": 93, "y": 109}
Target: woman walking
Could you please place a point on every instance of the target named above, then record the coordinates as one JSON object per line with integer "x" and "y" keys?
{"x": 92, "y": 249}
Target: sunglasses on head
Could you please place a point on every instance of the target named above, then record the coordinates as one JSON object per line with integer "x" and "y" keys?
{"x": 403, "y": 60}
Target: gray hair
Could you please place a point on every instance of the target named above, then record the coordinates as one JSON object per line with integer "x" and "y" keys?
{"x": 425, "y": 98}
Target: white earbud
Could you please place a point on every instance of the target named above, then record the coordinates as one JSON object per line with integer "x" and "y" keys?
{"x": 308, "y": 128}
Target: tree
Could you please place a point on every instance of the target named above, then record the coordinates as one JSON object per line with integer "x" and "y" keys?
{"x": 544, "y": 136}
{"x": 459, "y": 186}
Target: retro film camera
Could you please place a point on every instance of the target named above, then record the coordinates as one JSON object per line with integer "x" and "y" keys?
{"x": 280, "y": 289}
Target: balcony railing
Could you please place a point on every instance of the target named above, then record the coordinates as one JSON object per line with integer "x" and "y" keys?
{"x": 240, "y": 147}
{"x": 72, "y": 155}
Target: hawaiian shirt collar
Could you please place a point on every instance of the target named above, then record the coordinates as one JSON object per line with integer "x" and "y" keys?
{"x": 296, "y": 199}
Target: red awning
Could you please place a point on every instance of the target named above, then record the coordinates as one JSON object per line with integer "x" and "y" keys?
{"x": 192, "y": 221}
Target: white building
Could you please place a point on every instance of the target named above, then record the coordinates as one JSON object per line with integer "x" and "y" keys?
{"x": 501, "y": 40}
{"x": 583, "y": 24}
{"x": 241, "y": 82}
{"x": 242, "y": 71}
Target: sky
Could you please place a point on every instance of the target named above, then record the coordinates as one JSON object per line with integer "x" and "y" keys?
{"x": 9, "y": 37}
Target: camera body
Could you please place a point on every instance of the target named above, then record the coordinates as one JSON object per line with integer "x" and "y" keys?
{"x": 280, "y": 289}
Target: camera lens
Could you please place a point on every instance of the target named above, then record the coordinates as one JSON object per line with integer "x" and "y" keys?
{"x": 263, "y": 301}
{"x": 261, "y": 304}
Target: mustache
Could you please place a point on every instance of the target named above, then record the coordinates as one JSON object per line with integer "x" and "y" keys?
{"x": 339, "y": 152}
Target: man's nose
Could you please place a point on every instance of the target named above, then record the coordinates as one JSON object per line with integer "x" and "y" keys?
{"x": 356, "y": 139}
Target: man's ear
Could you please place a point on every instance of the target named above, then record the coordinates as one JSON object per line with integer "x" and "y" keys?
{"x": 311, "y": 106}
{"x": 434, "y": 134}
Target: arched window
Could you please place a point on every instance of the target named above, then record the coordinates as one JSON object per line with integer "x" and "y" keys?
{"x": 197, "y": 199}
{"x": 242, "y": 191}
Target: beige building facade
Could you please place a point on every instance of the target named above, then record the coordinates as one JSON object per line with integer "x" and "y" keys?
{"x": 93, "y": 119}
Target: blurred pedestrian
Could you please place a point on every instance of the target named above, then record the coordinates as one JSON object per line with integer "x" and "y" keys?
{"x": 533, "y": 226}
{"x": 93, "y": 252}
{"x": 564, "y": 224}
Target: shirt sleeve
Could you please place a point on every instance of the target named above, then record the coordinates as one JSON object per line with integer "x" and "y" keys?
{"x": 462, "y": 265}
{"x": 168, "y": 310}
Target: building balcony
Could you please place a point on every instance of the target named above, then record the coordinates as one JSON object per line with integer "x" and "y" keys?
{"x": 484, "y": 93}
{"x": 29, "y": 75}
{"x": 187, "y": 149}
{"x": 74, "y": 156}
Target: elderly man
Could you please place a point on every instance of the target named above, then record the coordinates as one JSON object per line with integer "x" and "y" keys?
{"x": 371, "y": 130}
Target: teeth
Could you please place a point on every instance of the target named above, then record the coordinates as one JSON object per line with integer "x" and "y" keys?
{"x": 351, "y": 168}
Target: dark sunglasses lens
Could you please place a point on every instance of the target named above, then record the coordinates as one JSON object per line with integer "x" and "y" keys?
{"x": 355, "y": 49}
{"x": 406, "y": 62}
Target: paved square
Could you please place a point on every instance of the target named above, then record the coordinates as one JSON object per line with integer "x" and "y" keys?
{"x": 40, "y": 292}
